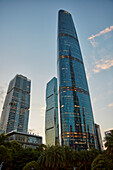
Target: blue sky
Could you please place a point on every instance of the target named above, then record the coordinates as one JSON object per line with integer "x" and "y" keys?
{"x": 28, "y": 46}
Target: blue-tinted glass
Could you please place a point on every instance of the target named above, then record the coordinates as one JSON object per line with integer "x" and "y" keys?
{"x": 16, "y": 107}
{"x": 51, "y": 118}
{"x": 77, "y": 124}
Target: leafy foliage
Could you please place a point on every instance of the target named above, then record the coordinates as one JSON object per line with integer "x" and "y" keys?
{"x": 53, "y": 157}
{"x": 32, "y": 165}
{"x": 102, "y": 162}
{"x": 5, "y": 157}
{"x": 109, "y": 142}
{"x": 2, "y": 138}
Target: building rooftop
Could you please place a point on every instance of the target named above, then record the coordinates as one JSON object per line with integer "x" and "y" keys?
{"x": 27, "y": 134}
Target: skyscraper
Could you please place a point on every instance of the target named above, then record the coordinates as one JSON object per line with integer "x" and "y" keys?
{"x": 98, "y": 137}
{"x": 15, "y": 112}
{"x": 77, "y": 123}
{"x": 51, "y": 118}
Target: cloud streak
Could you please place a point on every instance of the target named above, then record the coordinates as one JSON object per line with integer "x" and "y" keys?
{"x": 92, "y": 40}
{"x": 110, "y": 105}
{"x": 106, "y": 30}
{"x": 103, "y": 64}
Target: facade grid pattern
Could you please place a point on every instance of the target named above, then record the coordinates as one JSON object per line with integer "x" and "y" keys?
{"x": 76, "y": 117}
{"x": 51, "y": 118}
{"x": 15, "y": 112}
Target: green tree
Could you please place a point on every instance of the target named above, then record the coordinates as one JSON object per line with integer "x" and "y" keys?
{"x": 3, "y": 137}
{"x": 102, "y": 162}
{"x": 53, "y": 157}
{"x": 14, "y": 146}
{"x": 109, "y": 142}
{"x": 5, "y": 157}
{"x": 32, "y": 166}
{"x": 70, "y": 157}
{"x": 22, "y": 157}
{"x": 85, "y": 160}
{"x": 40, "y": 149}
{"x": 77, "y": 159}
{"x": 93, "y": 153}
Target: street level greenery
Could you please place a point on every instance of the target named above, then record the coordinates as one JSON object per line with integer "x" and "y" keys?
{"x": 14, "y": 157}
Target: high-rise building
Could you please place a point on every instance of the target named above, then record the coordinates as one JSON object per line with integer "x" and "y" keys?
{"x": 51, "y": 118}
{"x": 15, "y": 112}
{"x": 98, "y": 138}
{"x": 77, "y": 123}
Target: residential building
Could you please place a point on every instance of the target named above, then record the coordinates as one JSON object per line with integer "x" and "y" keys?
{"x": 51, "y": 117}
{"x": 76, "y": 116}
{"x": 15, "y": 112}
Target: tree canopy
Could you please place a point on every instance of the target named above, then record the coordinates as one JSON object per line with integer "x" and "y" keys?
{"x": 109, "y": 142}
{"x": 56, "y": 157}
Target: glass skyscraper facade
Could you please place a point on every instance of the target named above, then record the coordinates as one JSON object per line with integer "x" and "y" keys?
{"x": 76, "y": 117}
{"x": 98, "y": 137}
{"x": 15, "y": 112}
{"x": 51, "y": 118}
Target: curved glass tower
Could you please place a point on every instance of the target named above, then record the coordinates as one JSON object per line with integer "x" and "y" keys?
{"x": 77, "y": 123}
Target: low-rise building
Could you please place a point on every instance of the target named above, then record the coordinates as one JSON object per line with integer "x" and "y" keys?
{"x": 25, "y": 139}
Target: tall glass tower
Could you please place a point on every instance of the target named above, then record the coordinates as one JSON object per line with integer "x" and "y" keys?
{"x": 15, "y": 112}
{"x": 51, "y": 118}
{"x": 99, "y": 138}
{"x": 77, "y": 123}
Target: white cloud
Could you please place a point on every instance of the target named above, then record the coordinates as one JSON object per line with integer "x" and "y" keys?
{"x": 110, "y": 105}
{"x": 93, "y": 43}
{"x": 101, "y": 109}
{"x": 106, "y": 30}
{"x": 103, "y": 64}
{"x": 92, "y": 40}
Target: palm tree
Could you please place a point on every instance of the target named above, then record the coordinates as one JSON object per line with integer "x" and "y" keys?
{"x": 53, "y": 157}
{"x": 85, "y": 159}
{"x": 93, "y": 154}
{"x": 109, "y": 142}
{"x": 69, "y": 157}
{"x": 102, "y": 162}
